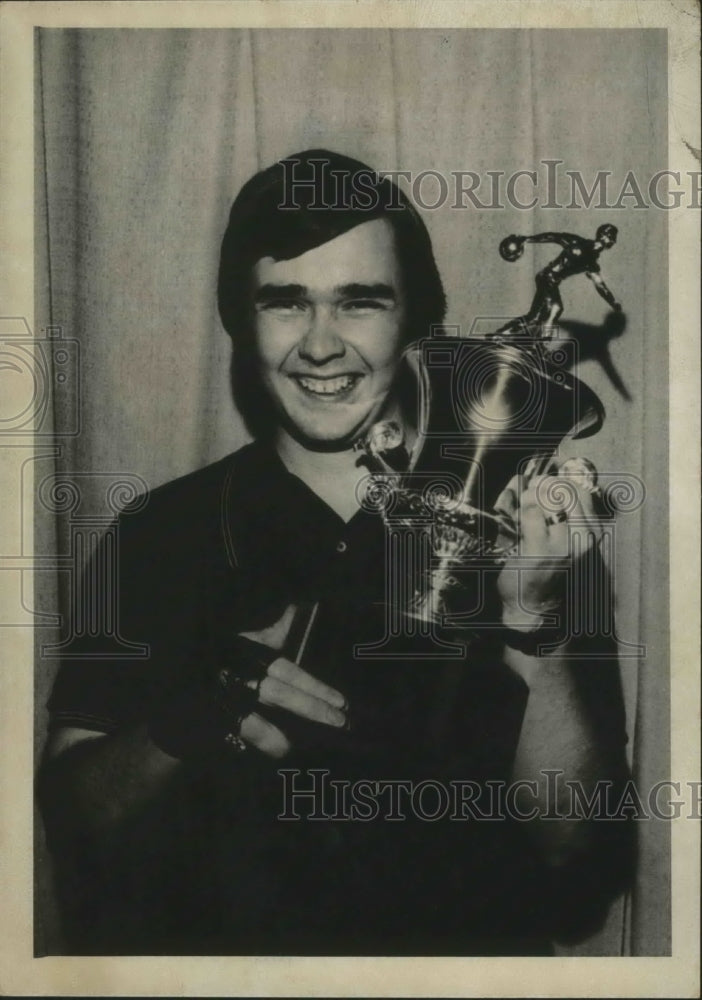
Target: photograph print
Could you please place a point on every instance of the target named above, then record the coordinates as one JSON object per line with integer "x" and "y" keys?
{"x": 351, "y": 492}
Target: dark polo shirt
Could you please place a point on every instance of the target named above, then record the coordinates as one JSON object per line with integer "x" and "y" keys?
{"x": 212, "y": 868}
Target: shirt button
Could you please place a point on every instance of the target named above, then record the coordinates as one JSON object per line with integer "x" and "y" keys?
{"x": 341, "y": 547}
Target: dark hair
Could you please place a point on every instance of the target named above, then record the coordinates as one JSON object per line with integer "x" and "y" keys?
{"x": 298, "y": 204}
{"x": 308, "y": 199}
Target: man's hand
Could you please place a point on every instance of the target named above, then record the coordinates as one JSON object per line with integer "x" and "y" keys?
{"x": 287, "y": 686}
{"x": 545, "y": 509}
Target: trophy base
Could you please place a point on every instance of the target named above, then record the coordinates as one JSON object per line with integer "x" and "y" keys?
{"x": 457, "y": 537}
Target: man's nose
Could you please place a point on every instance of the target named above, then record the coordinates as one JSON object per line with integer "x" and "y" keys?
{"x": 321, "y": 342}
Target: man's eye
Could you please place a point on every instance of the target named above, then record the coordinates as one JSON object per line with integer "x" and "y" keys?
{"x": 363, "y": 305}
{"x": 284, "y": 306}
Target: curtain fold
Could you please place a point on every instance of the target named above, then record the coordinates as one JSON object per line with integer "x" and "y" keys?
{"x": 145, "y": 136}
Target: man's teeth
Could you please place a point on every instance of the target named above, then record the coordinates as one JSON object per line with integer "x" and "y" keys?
{"x": 327, "y": 386}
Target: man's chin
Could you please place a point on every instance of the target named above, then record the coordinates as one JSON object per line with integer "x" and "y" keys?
{"x": 314, "y": 441}
{"x": 317, "y": 437}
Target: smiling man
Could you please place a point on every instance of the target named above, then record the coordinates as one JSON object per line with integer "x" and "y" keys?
{"x": 174, "y": 785}
{"x": 329, "y": 329}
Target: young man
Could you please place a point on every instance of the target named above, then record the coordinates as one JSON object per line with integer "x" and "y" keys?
{"x": 224, "y": 796}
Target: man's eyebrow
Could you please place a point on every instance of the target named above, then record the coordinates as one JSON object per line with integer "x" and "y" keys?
{"x": 271, "y": 292}
{"x": 358, "y": 290}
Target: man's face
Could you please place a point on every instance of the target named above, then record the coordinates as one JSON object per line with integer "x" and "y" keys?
{"x": 328, "y": 331}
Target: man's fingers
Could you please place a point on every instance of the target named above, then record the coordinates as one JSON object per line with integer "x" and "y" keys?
{"x": 590, "y": 504}
{"x": 281, "y": 695}
{"x": 566, "y": 506}
{"x": 548, "y": 512}
{"x": 263, "y": 735}
{"x": 289, "y": 672}
{"x": 583, "y": 474}
{"x": 533, "y": 530}
{"x": 506, "y": 503}
{"x": 581, "y": 510}
{"x": 552, "y": 494}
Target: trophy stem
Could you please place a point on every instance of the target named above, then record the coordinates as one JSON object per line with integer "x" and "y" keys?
{"x": 430, "y": 606}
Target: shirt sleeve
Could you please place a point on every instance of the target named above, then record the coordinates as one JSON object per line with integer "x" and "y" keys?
{"x": 143, "y": 616}
{"x": 102, "y": 676}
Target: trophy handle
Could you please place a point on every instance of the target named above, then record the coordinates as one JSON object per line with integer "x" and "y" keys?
{"x": 414, "y": 359}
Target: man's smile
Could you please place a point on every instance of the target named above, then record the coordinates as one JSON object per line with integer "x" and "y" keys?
{"x": 327, "y": 386}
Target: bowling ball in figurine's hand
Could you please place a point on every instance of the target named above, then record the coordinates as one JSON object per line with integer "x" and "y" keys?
{"x": 512, "y": 247}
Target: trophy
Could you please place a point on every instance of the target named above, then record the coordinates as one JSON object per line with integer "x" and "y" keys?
{"x": 486, "y": 406}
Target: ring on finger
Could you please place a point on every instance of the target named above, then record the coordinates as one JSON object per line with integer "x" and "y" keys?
{"x": 254, "y": 685}
{"x": 235, "y": 742}
{"x": 556, "y": 518}
{"x": 237, "y": 698}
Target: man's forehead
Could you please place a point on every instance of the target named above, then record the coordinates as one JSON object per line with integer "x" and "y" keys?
{"x": 365, "y": 254}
